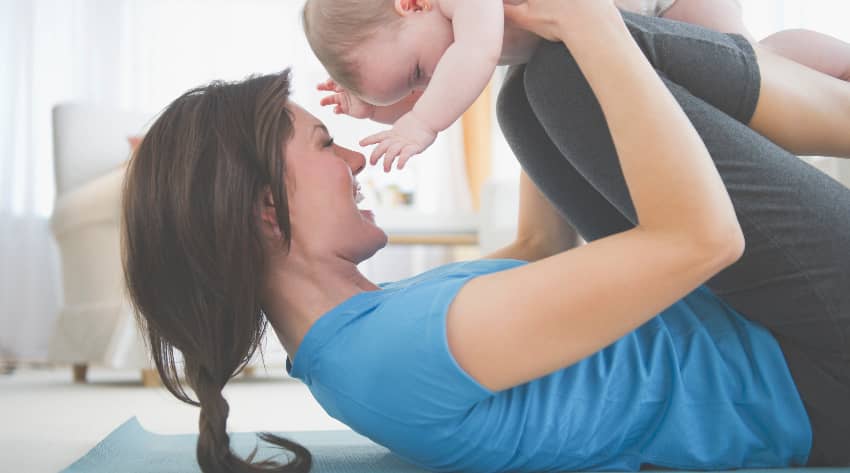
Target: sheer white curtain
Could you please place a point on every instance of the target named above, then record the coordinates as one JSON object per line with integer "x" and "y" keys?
{"x": 140, "y": 54}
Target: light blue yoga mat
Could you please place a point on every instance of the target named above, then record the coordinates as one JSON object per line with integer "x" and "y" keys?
{"x": 132, "y": 449}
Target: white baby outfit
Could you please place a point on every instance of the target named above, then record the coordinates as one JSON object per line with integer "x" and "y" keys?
{"x": 646, "y": 7}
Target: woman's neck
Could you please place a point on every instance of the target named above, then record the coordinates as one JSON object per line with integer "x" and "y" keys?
{"x": 298, "y": 292}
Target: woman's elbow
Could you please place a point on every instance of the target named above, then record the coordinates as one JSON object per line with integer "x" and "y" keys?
{"x": 726, "y": 244}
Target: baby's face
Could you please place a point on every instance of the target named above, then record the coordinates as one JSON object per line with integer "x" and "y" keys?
{"x": 394, "y": 63}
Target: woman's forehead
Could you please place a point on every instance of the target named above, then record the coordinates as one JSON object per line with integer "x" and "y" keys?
{"x": 304, "y": 121}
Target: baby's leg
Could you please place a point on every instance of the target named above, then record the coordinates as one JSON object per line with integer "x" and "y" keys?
{"x": 813, "y": 115}
{"x": 816, "y": 50}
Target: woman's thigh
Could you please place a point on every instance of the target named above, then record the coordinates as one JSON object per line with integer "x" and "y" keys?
{"x": 794, "y": 277}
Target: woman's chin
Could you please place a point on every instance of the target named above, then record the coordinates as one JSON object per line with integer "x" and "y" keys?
{"x": 367, "y": 215}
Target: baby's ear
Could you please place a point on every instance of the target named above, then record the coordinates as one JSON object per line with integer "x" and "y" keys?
{"x": 405, "y": 7}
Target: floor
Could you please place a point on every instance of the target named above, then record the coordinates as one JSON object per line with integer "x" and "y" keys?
{"x": 47, "y": 422}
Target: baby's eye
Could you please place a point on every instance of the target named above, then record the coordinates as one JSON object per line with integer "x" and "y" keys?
{"x": 418, "y": 73}
{"x": 329, "y": 142}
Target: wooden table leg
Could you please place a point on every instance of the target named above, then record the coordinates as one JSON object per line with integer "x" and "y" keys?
{"x": 150, "y": 378}
{"x": 80, "y": 371}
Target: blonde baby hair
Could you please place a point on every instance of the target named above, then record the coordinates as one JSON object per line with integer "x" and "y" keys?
{"x": 336, "y": 28}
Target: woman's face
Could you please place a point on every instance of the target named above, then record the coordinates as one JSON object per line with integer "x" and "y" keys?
{"x": 322, "y": 192}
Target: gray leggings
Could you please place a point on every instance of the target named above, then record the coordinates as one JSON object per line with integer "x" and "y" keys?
{"x": 794, "y": 277}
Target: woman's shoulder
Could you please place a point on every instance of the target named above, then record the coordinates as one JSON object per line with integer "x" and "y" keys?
{"x": 399, "y": 311}
{"x": 459, "y": 269}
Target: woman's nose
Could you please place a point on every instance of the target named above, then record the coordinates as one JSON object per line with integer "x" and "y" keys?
{"x": 356, "y": 161}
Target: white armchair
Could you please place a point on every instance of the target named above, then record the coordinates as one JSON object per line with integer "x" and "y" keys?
{"x": 95, "y": 325}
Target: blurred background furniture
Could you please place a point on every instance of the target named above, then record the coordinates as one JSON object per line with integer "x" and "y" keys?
{"x": 95, "y": 325}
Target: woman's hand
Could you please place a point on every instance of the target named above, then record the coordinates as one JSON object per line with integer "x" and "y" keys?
{"x": 345, "y": 102}
{"x": 554, "y": 19}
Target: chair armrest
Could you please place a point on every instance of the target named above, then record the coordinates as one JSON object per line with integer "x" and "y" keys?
{"x": 97, "y": 201}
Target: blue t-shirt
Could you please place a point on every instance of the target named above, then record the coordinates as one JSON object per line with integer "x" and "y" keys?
{"x": 697, "y": 387}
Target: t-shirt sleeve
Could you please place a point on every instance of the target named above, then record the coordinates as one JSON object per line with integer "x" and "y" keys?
{"x": 396, "y": 360}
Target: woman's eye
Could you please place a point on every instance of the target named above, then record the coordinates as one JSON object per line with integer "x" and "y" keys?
{"x": 418, "y": 73}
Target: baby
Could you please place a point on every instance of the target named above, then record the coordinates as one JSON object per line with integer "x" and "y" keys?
{"x": 419, "y": 64}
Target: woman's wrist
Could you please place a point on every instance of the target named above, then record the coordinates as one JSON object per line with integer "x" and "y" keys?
{"x": 566, "y": 21}
{"x": 598, "y": 23}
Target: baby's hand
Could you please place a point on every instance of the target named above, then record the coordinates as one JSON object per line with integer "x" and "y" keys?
{"x": 408, "y": 136}
{"x": 344, "y": 101}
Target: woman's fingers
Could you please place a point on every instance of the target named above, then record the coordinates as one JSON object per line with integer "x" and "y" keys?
{"x": 550, "y": 18}
{"x": 517, "y": 13}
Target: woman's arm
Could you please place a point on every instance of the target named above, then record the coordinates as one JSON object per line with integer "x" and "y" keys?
{"x": 510, "y": 327}
{"x": 541, "y": 230}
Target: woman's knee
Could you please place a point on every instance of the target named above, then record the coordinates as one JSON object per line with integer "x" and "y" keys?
{"x": 511, "y": 103}
{"x": 564, "y": 104}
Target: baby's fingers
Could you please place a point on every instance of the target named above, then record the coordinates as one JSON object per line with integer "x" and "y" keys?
{"x": 378, "y": 152}
{"x": 376, "y": 138}
{"x": 330, "y": 100}
{"x": 392, "y": 153}
{"x": 406, "y": 153}
{"x": 327, "y": 85}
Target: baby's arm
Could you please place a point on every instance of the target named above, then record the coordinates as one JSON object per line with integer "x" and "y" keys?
{"x": 462, "y": 73}
{"x": 391, "y": 113}
{"x": 467, "y": 65}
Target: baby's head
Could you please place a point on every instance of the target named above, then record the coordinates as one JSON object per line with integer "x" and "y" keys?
{"x": 380, "y": 50}
{"x": 337, "y": 30}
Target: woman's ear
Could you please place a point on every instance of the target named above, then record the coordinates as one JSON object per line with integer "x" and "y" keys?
{"x": 268, "y": 214}
{"x": 405, "y": 7}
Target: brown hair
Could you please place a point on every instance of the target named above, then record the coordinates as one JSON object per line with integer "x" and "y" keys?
{"x": 193, "y": 249}
{"x": 336, "y": 28}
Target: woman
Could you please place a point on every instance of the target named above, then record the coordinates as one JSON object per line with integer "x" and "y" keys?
{"x": 239, "y": 207}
